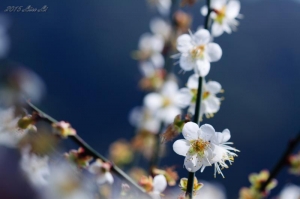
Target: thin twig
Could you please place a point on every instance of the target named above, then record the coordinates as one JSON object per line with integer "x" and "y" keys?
{"x": 282, "y": 162}
{"x": 89, "y": 150}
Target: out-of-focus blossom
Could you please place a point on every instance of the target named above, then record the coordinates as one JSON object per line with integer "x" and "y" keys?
{"x": 290, "y": 192}
{"x": 102, "y": 171}
{"x": 27, "y": 122}
{"x": 224, "y": 15}
{"x": 210, "y": 103}
{"x": 169, "y": 173}
{"x": 182, "y": 21}
{"x": 168, "y": 102}
{"x": 174, "y": 129}
{"x": 196, "y": 147}
{"x": 163, "y": 6}
{"x": 120, "y": 152}
{"x": 79, "y": 157}
{"x": 196, "y": 52}
{"x": 294, "y": 161}
{"x": 222, "y": 151}
{"x": 144, "y": 119}
{"x": 155, "y": 187}
{"x": 66, "y": 182}
{"x": 4, "y": 38}
{"x": 63, "y": 129}
{"x": 160, "y": 27}
{"x": 153, "y": 78}
{"x": 256, "y": 181}
{"x": 210, "y": 191}
{"x": 20, "y": 83}
{"x": 35, "y": 167}
{"x": 196, "y": 187}
{"x": 10, "y": 134}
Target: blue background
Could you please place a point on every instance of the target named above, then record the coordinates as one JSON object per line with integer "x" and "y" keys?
{"x": 81, "y": 49}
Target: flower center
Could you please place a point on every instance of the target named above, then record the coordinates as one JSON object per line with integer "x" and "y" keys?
{"x": 198, "y": 52}
{"x": 220, "y": 14}
{"x": 166, "y": 101}
{"x": 198, "y": 147}
{"x": 194, "y": 92}
{"x": 205, "y": 95}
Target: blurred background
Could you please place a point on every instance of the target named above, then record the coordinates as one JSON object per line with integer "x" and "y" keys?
{"x": 81, "y": 50}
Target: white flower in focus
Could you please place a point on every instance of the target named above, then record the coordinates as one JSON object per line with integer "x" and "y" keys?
{"x": 196, "y": 52}
{"x": 210, "y": 103}
{"x": 196, "y": 146}
{"x": 35, "y": 167}
{"x": 10, "y": 135}
{"x": 224, "y": 15}
{"x": 168, "y": 103}
{"x": 222, "y": 151}
{"x": 290, "y": 192}
{"x": 102, "y": 171}
{"x": 159, "y": 185}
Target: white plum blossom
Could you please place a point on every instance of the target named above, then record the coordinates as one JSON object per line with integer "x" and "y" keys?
{"x": 102, "y": 171}
{"x": 204, "y": 147}
{"x": 222, "y": 151}
{"x": 196, "y": 52}
{"x": 210, "y": 103}
{"x": 160, "y": 27}
{"x": 168, "y": 103}
{"x": 10, "y": 135}
{"x": 35, "y": 167}
{"x": 196, "y": 147}
{"x": 159, "y": 185}
{"x": 224, "y": 16}
{"x": 290, "y": 192}
{"x": 150, "y": 48}
{"x": 163, "y": 6}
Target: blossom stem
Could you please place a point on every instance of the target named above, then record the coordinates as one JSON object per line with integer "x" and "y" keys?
{"x": 282, "y": 162}
{"x": 157, "y": 149}
{"x": 196, "y": 119}
{"x": 89, "y": 150}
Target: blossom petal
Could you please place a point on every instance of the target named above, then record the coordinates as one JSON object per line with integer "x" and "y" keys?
{"x": 193, "y": 82}
{"x": 201, "y": 37}
{"x": 213, "y": 87}
{"x": 203, "y": 67}
{"x": 204, "y": 10}
{"x": 109, "y": 177}
{"x": 192, "y": 163}
{"x": 157, "y": 60}
{"x": 233, "y": 9}
{"x": 205, "y": 132}
{"x": 181, "y": 147}
{"x": 183, "y": 98}
{"x": 226, "y": 135}
{"x": 168, "y": 114}
{"x": 169, "y": 89}
{"x": 212, "y": 104}
{"x": 214, "y": 52}
{"x": 184, "y": 43}
{"x": 186, "y": 62}
{"x": 217, "y": 29}
{"x": 190, "y": 130}
{"x": 159, "y": 183}
{"x": 153, "y": 101}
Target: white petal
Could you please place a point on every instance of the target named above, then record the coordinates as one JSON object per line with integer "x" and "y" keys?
{"x": 223, "y": 137}
{"x": 226, "y": 135}
{"x": 212, "y": 104}
{"x": 159, "y": 183}
{"x": 168, "y": 114}
{"x": 160, "y": 27}
{"x": 157, "y": 60}
{"x": 109, "y": 177}
{"x": 186, "y": 62}
{"x": 190, "y": 130}
{"x": 201, "y": 37}
{"x": 214, "y": 52}
{"x": 169, "y": 89}
{"x": 217, "y": 29}
{"x": 213, "y": 87}
{"x": 183, "y": 98}
{"x": 146, "y": 68}
{"x": 233, "y": 9}
{"x": 193, "y": 82}
{"x": 181, "y": 147}
{"x": 204, "y": 10}
{"x": 153, "y": 101}
{"x": 203, "y": 67}
{"x": 218, "y": 152}
{"x": 206, "y": 132}
{"x": 193, "y": 163}
{"x": 184, "y": 43}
